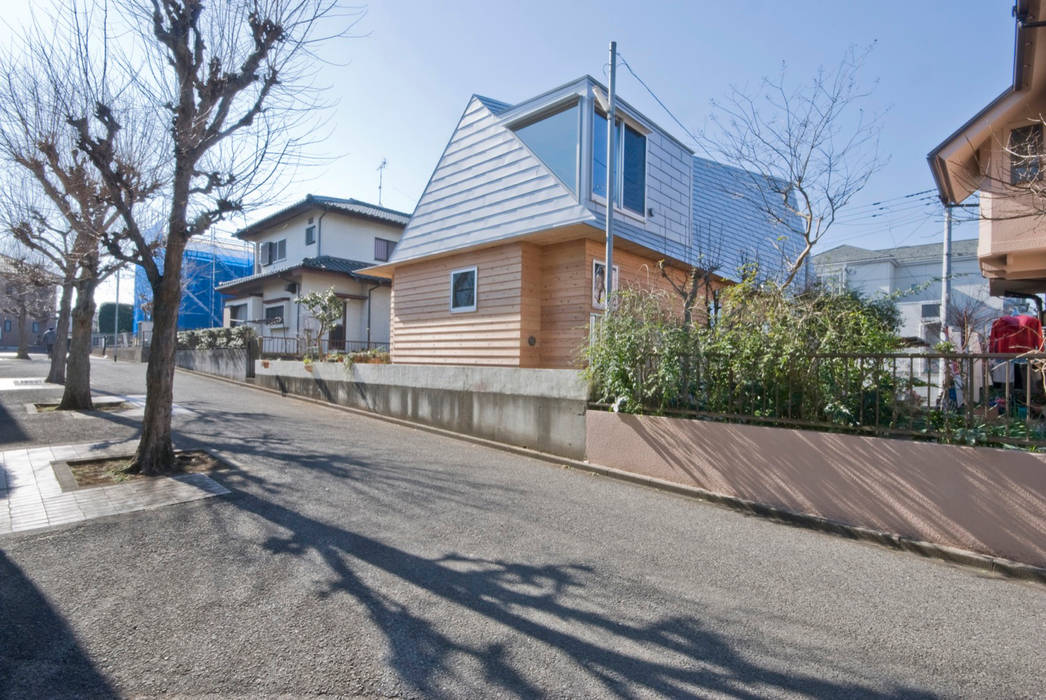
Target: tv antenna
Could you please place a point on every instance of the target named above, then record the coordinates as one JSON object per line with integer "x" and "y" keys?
{"x": 381, "y": 171}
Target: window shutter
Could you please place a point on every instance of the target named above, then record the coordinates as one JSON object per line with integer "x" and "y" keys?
{"x": 263, "y": 253}
{"x": 282, "y": 249}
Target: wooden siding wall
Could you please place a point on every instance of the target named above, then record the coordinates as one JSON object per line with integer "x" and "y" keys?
{"x": 424, "y": 331}
{"x": 523, "y": 291}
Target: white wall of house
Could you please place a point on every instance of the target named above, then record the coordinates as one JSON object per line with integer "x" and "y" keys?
{"x": 339, "y": 235}
{"x": 916, "y": 287}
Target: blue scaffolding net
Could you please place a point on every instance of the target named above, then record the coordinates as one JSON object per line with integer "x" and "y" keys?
{"x": 206, "y": 263}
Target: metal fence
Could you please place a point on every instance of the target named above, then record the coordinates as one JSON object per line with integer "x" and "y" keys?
{"x": 985, "y": 398}
{"x": 295, "y": 348}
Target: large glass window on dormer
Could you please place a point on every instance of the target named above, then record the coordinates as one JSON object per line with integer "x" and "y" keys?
{"x": 630, "y": 155}
{"x": 554, "y": 139}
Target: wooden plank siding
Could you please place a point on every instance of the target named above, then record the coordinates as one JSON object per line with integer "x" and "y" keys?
{"x": 523, "y": 291}
{"x": 425, "y": 331}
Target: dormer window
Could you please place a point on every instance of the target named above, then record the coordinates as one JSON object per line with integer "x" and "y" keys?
{"x": 310, "y": 232}
{"x": 1025, "y": 154}
{"x": 554, "y": 139}
{"x": 630, "y": 157}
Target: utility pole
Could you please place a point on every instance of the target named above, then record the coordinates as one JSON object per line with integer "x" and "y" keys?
{"x": 608, "y": 274}
{"x": 946, "y": 272}
{"x": 381, "y": 169}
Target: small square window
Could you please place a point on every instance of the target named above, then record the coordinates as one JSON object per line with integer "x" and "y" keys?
{"x": 274, "y": 316}
{"x": 310, "y": 234}
{"x": 383, "y": 249}
{"x": 463, "y": 289}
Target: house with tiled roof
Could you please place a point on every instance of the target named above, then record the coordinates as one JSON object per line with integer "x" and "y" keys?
{"x": 502, "y": 261}
{"x": 312, "y": 245}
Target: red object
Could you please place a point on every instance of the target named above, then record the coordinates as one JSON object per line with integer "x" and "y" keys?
{"x": 1016, "y": 334}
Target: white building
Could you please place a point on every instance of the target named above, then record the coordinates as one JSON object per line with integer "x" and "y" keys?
{"x": 313, "y": 245}
{"x": 912, "y": 276}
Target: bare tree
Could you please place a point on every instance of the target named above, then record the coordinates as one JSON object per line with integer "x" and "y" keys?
{"x": 700, "y": 280}
{"x": 28, "y": 295}
{"x": 59, "y": 206}
{"x": 807, "y": 150}
{"x": 230, "y": 83}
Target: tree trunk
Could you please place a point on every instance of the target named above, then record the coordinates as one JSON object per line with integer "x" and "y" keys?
{"x": 155, "y": 453}
{"x": 77, "y": 394}
{"x": 61, "y": 339}
{"x": 23, "y": 334}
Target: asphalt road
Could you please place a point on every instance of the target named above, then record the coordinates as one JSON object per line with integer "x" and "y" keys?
{"x": 357, "y": 557}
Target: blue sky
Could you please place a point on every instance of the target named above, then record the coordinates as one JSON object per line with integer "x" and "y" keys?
{"x": 407, "y": 81}
{"x": 401, "y": 86}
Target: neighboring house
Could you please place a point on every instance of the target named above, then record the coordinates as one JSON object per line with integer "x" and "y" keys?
{"x": 206, "y": 263}
{"x": 912, "y": 276}
{"x": 501, "y": 263}
{"x": 21, "y": 300}
{"x": 309, "y": 246}
{"x": 999, "y": 153}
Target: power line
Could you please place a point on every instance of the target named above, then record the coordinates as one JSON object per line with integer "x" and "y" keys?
{"x": 697, "y": 141}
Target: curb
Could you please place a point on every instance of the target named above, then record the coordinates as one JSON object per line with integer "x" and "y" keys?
{"x": 930, "y": 550}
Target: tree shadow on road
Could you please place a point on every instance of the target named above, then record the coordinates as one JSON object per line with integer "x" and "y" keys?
{"x": 39, "y": 654}
{"x": 551, "y": 605}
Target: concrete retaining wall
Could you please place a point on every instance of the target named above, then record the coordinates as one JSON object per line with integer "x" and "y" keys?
{"x": 223, "y": 363}
{"x": 984, "y": 500}
{"x": 133, "y": 354}
{"x": 543, "y": 409}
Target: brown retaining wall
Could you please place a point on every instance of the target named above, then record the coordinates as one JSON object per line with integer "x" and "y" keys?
{"x": 980, "y": 499}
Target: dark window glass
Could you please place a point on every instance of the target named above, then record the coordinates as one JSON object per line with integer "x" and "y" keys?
{"x": 7, "y": 326}
{"x": 554, "y": 140}
{"x": 383, "y": 249}
{"x": 36, "y": 326}
{"x": 599, "y": 155}
{"x": 281, "y": 249}
{"x": 633, "y": 187}
{"x": 463, "y": 290}
{"x": 274, "y": 314}
{"x": 1025, "y": 153}
{"x": 310, "y": 235}
{"x": 931, "y": 310}
{"x": 630, "y": 186}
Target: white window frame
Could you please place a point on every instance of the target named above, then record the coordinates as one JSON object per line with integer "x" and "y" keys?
{"x": 246, "y": 313}
{"x": 475, "y": 290}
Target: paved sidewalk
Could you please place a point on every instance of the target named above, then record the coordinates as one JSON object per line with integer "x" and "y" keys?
{"x": 31, "y": 496}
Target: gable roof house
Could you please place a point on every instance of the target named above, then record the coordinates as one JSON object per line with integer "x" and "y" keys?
{"x": 501, "y": 263}
{"x": 999, "y": 153}
{"x": 313, "y": 245}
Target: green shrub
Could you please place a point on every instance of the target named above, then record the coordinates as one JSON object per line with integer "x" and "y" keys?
{"x": 755, "y": 358}
{"x": 216, "y": 338}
